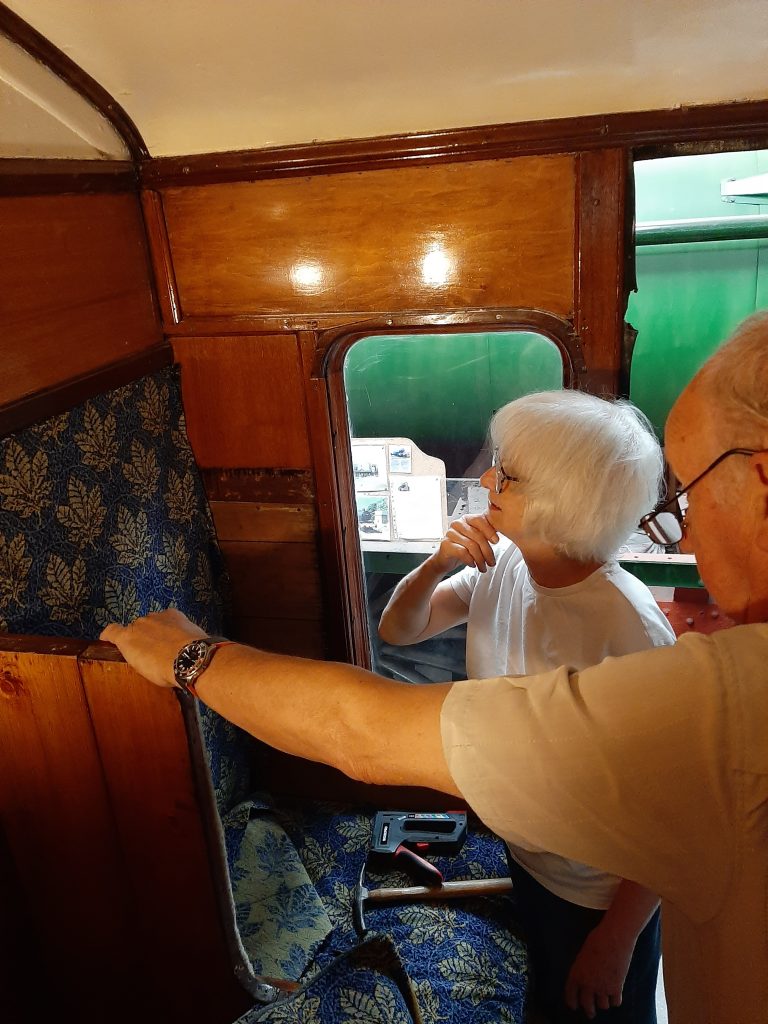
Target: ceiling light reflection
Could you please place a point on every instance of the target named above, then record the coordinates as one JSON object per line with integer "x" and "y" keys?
{"x": 307, "y": 276}
{"x": 436, "y": 267}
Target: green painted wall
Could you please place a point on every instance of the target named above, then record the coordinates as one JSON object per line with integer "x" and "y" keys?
{"x": 690, "y": 297}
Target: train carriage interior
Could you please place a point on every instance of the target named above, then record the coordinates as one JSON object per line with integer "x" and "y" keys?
{"x": 267, "y": 271}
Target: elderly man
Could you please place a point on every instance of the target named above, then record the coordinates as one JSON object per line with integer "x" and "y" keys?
{"x": 653, "y": 766}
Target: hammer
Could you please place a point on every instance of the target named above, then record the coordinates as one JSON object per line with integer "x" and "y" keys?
{"x": 446, "y": 891}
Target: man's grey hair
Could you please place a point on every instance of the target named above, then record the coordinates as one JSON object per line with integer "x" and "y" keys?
{"x": 736, "y": 380}
{"x": 589, "y": 468}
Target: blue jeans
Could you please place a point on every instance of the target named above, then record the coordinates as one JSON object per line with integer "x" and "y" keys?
{"x": 555, "y": 931}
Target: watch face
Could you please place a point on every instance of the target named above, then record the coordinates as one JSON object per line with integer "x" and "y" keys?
{"x": 190, "y": 660}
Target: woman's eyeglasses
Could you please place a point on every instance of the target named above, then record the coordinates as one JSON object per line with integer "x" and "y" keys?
{"x": 502, "y": 478}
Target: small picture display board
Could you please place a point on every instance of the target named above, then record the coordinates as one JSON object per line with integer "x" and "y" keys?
{"x": 399, "y": 490}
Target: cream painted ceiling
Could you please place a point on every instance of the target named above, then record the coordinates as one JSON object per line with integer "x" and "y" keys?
{"x": 213, "y": 75}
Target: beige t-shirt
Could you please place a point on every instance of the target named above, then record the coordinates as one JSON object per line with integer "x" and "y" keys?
{"x": 662, "y": 779}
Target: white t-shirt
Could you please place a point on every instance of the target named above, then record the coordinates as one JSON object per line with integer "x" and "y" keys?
{"x": 516, "y": 627}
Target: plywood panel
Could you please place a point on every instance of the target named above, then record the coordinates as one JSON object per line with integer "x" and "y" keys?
{"x": 244, "y": 401}
{"x": 488, "y": 233}
{"x": 62, "y": 840}
{"x": 274, "y": 581}
{"x": 143, "y": 748}
{"x": 75, "y": 288}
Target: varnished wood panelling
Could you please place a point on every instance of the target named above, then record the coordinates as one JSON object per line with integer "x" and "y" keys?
{"x": 274, "y": 581}
{"x": 143, "y": 751}
{"x": 75, "y": 288}
{"x": 249, "y": 521}
{"x": 61, "y": 836}
{"x": 489, "y": 233}
{"x": 244, "y": 400}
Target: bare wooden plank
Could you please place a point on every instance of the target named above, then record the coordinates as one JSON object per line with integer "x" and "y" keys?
{"x": 271, "y": 580}
{"x": 244, "y": 401}
{"x": 260, "y": 485}
{"x": 62, "y": 840}
{"x": 248, "y": 520}
{"x": 142, "y": 744}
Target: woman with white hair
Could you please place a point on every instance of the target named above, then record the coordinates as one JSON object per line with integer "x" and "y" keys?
{"x": 540, "y": 588}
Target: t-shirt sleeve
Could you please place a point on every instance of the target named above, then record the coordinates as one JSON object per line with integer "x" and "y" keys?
{"x": 464, "y": 583}
{"x": 618, "y": 766}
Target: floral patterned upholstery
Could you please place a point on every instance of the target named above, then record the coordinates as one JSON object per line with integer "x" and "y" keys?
{"x": 463, "y": 962}
{"x": 103, "y": 517}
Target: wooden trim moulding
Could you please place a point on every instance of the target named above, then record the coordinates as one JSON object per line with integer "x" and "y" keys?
{"x": 159, "y": 247}
{"x": 635, "y": 129}
{"x": 61, "y": 397}
{"x": 43, "y": 50}
{"x": 34, "y": 177}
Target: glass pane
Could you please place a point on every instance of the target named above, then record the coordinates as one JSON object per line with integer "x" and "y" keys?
{"x": 422, "y": 405}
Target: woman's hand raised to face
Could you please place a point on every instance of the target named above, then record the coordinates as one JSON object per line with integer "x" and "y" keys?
{"x": 467, "y": 542}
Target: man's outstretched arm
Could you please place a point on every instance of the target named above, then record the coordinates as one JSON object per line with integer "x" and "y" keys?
{"x": 371, "y": 728}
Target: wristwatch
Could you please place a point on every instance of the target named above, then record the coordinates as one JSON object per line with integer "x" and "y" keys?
{"x": 194, "y": 658}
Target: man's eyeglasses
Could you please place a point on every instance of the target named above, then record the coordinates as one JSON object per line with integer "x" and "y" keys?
{"x": 502, "y": 478}
{"x": 666, "y": 524}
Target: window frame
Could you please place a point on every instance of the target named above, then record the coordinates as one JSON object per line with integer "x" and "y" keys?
{"x": 342, "y": 564}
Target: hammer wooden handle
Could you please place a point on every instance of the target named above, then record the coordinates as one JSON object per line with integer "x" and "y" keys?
{"x": 446, "y": 891}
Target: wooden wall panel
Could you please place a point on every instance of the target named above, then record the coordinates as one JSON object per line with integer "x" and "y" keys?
{"x": 244, "y": 401}
{"x": 488, "y": 233}
{"x": 76, "y": 292}
{"x": 61, "y": 836}
{"x": 101, "y": 828}
{"x": 143, "y": 751}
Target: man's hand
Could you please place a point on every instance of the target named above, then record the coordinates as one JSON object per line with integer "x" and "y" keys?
{"x": 596, "y": 978}
{"x": 150, "y": 645}
{"x": 467, "y": 542}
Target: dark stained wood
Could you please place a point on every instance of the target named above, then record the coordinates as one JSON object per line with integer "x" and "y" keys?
{"x": 277, "y": 486}
{"x": 600, "y": 302}
{"x": 489, "y": 233}
{"x": 303, "y": 639}
{"x": 43, "y": 50}
{"x": 277, "y": 581}
{"x": 244, "y": 401}
{"x": 162, "y": 261}
{"x": 634, "y": 129}
{"x": 62, "y": 841}
{"x": 249, "y": 521}
{"x": 22, "y": 176}
{"x": 143, "y": 751}
{"x": 343, "y": 610}
{"x": 52, "y": 401}
{"x": 75, "y": 289}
